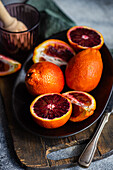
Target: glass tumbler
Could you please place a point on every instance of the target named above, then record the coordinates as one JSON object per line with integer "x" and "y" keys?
{"x": 18, "y": 44}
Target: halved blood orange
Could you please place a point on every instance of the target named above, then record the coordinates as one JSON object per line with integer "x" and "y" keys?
{"x": 51, "y": 110}
{"x": 8, "y": 65}
{"x": 53, "y": 50}
{"x": 83, "y": 37}
{"x": 83, "y": 105}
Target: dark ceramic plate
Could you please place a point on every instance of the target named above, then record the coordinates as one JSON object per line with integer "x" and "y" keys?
{"x": 22, "y": 99}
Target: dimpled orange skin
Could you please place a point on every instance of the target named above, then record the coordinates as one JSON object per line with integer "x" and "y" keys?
{"x": 44, "y": 77}
{"x": 84, "y": 70}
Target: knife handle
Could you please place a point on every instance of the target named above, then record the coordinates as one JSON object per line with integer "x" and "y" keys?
{"x": 87, "y": 155}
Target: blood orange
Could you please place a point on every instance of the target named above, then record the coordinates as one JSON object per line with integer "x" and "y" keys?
{"x": 44, "y": 77}
{"x": 53, "y": 50}
{"x": 83, "y": 105}
{"x": 83, "y": 37}
{"x": 84, "y": 70}
{"x": 51, "y": 110}
{"x": 8, "y": 65}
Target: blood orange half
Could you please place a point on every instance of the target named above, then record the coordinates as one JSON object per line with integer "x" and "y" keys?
{"x": 83, "y": 105}
{"x": 51, "y": 110}
{"x": 83, "y": 37}
{"x": 53, "y": 50}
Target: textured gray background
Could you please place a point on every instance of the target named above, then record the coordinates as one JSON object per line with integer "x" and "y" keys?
{"x": 95, "y": 13}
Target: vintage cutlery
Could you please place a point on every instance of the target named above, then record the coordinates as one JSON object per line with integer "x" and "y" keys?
{"x": 87, "y": 155}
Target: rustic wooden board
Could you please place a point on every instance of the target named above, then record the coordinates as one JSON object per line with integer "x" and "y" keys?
{"x": 32, "y": 150}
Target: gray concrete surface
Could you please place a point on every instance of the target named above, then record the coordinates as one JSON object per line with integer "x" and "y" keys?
{"x": 95, "y": 13}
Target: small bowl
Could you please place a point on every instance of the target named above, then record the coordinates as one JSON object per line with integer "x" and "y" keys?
{"x": 21, "y": 42}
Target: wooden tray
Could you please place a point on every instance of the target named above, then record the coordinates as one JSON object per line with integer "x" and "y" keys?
{"x": 33, "y": 151}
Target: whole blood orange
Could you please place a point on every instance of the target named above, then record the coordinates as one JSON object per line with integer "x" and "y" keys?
{"x": 51, "y": 110}
{"x": 54, "y": 51}
{"x": 83, "y": 37}
{"x": 44, "y": 77}
{"x": 83, "y": 105}
{"x": 84, "y": 70}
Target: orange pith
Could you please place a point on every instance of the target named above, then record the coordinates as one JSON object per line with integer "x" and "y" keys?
{"x": 84, "y": 70}
{"x": 86, "y": 37}
{"x": 53, "y": 50}
{"x": 56, "y": 121}
{"x": 83, "y": 105}
{"x": 44, "y": 77}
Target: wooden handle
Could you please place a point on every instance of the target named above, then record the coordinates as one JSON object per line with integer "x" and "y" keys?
{"x": 5, "y": 16}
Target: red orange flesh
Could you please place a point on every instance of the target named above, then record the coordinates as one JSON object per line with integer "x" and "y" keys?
{"x": 51, "y": 110}
{"x": 83, "y": 37}
{"x": 53, "y": 50}
{"x": 83, "y": 105}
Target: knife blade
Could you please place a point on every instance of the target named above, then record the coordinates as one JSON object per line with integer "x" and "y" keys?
{"x": 68, "y": 152}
